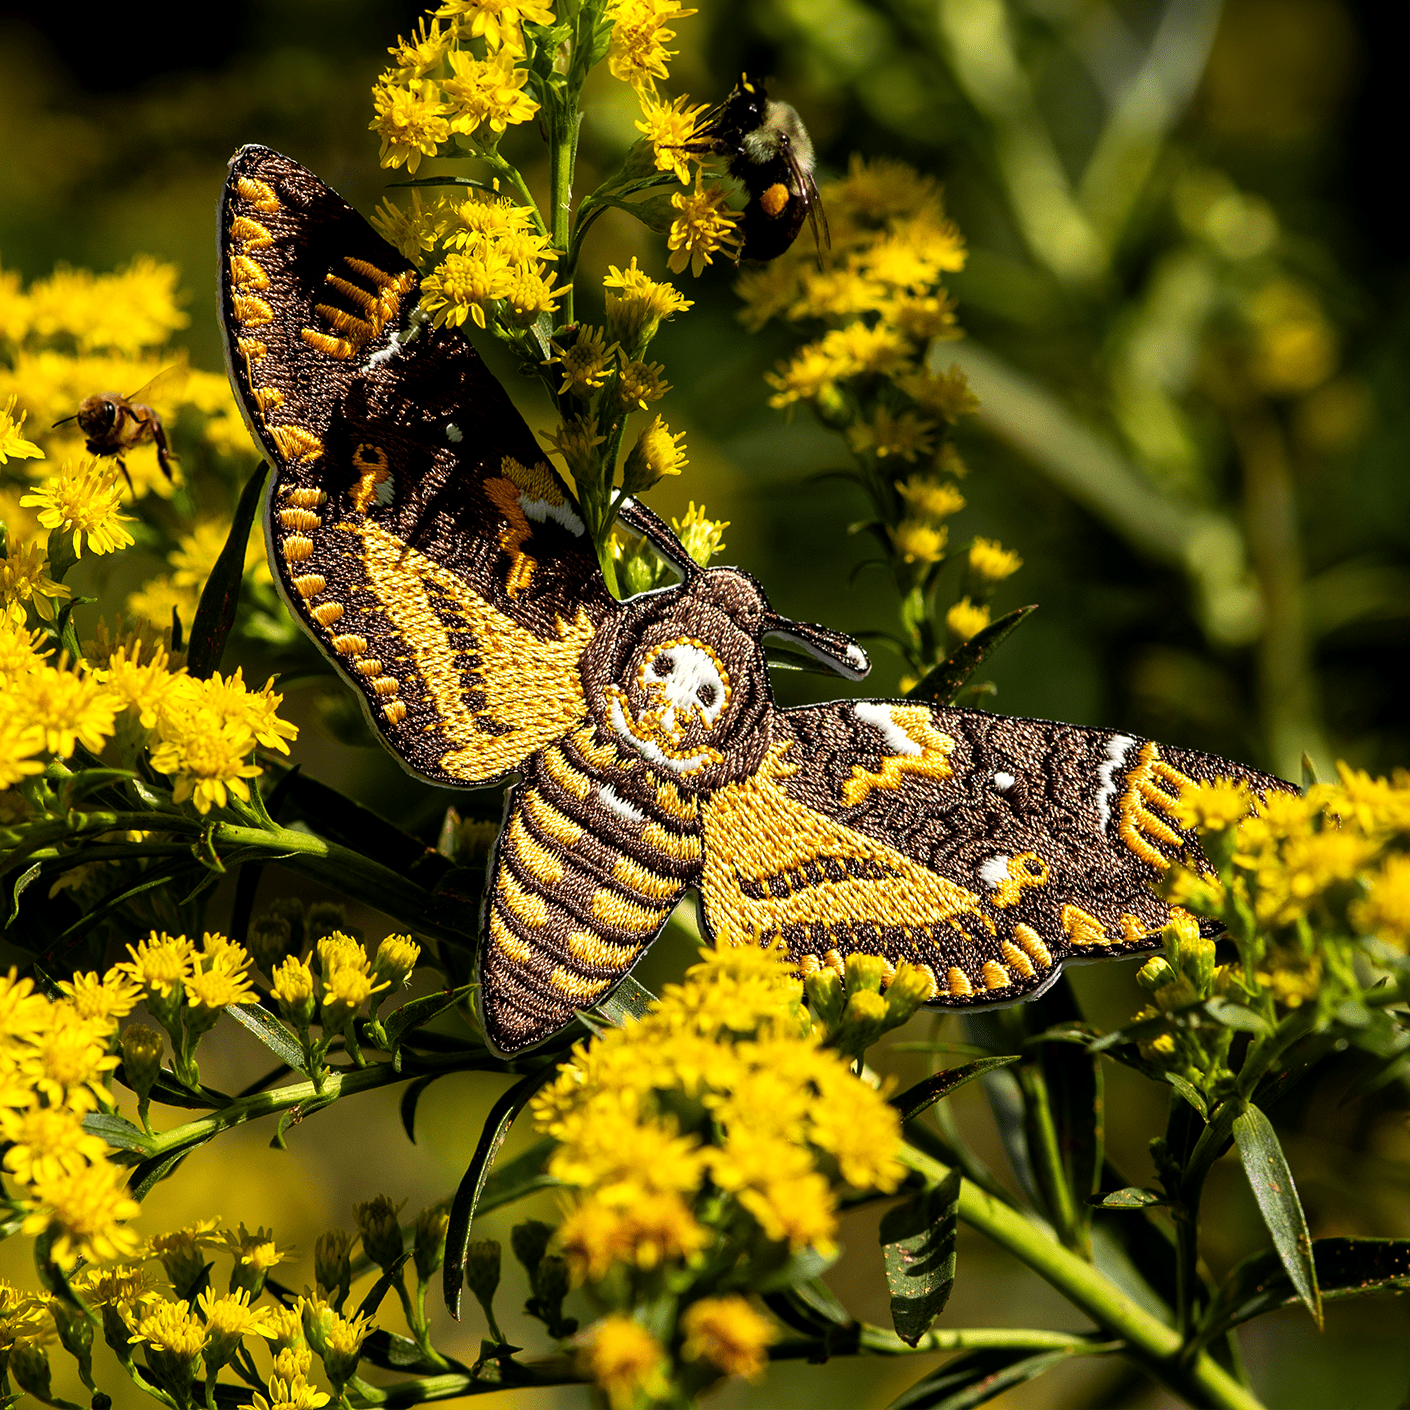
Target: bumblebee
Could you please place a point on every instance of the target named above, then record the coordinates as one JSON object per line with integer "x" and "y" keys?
{"x": 116, "y": 424}
{"x": 769, "y": 150}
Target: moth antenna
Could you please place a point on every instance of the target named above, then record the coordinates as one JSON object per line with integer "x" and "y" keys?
{"x": 834, "y": 649}
{"x": 649, "y": 525}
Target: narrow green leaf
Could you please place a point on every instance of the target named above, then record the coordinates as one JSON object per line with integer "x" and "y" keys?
{"x": 22, "y": 883}
{"x": 629, "y": 1000}
{"x": 1267, "y": 1169}
{"x": 1350, "y": 1267}
{"x": 918, "y": 1250}
{"x": 1236, "y": 1016}
{"x": 151, "y": 1172}
{"x": 215, "y": 613}
{"x": 977, "y": 1376}
{"x": 296, "y": 1115}
{"x": 420, "y": 1011}
{"x": 946, "y": 680}
{"x": 410, "y": 1100}
{"x": 915, "y": 1100}
{"x": 1189, "y": 1093}
{"x": 272, "y": 1032}
{"x": 1077, "y": 1099}
{"x": 394, "y": 1352}
{"x": 118, "y": 1132}
{"x": 472, "y": 1183}
{"x": 379, "y": 1290}
{"x": 1132, "y": 1197}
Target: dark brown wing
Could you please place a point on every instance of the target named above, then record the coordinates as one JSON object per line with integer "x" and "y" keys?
{"x": 988, "y": 849}
{"x": 415, "y": 527}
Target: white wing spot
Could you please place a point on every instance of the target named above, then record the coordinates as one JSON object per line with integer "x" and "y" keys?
{"x": 613, "y": 800}
{"x": 1118, "y": 746}
{"x": 1003, "y": 782}
{"x": 994, "y": 872}
{"x": 878, "y": 716}
{"x": 857, "y": 658}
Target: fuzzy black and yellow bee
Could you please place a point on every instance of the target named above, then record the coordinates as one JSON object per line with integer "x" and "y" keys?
{"x": 115, "y": 424}
{"x": 769, "y": 150}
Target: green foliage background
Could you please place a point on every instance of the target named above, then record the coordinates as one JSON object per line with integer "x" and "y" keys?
{"x": 113, "y": 140}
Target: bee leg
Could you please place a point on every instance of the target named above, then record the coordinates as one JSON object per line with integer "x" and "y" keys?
{"x": 164, "y": 455}
{"x": 122, "y": 465}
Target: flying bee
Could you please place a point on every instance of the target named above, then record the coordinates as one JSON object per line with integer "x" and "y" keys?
{"x": 116, "y": 424}
{"x": 769, "y": 150}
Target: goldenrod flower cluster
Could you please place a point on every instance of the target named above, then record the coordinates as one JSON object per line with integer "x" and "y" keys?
{"x": 717, "y": 1124}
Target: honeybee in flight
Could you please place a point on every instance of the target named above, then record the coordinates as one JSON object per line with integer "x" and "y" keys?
{"x": 116, "y": 424}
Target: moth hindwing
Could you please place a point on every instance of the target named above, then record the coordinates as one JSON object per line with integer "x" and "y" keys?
{"x": 424, "y": 542}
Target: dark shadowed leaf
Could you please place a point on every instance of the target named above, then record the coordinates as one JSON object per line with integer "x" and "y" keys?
{"x": 411, "y": 1099}
{"x": 975, "y": 1377}
{"x": 271, "y": 1032}
{"x": 942, "y": 684}
{"x": 379, "y": 1290}
{"x": 518, "y": 1177}
{"x": 1077, "y": 1096}
{"x": 1345, "y": 1268}
{"x": 151, "y": 1172}
{"x": 1267, "y": 1169}
{"x": 914, "y": 1100}
{"x": 918, "y": 1249}
{"x": 215, "y": 613}
{"x": 394, "y": 1352}
{"x": 472, "y": 1183}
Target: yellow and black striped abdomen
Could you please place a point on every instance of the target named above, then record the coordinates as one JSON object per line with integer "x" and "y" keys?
{"x": 595, "y": 853}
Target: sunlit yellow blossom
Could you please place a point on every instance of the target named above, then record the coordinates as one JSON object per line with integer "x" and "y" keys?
{"x": 22, "y": 1314}
{"x": 229, "y": 1320}
{"x": 47, "y": 1142}
{"x": 23, "y": 1013}
{"x": 966, "y": 619}
{"x": 21, "y": 740}
{"x": 830, "y": 293}
{"x": 486, "y": 92}
{"x": 906, "y": 435}
{"x": 530, "y": 295}
{"x": 410, "y": 119}
{"x": 111, "y": 995}
{"x": 84, "y": 1210}
{"x": 133, "y": 308}
{"x": 637, "y": 304}
{"x": 232, "y": 699}
{"x": 24, "y": 580}
{"x": 13, "y": 445}
{"x": 668, "y": 126}
{"x": 702, "y": 537}
{"x": 1385, "y": 911}
{"x": 161, "y": 963}
{"x": 73, "y": 1059}
{"x": 480, "y": 220}
{"x": 498, "y": 22}
{"x": 624, "y": 1360}
{"x": 464, "y": 285}
{"x": 876, "y": 350}
{"x": 208, "y": 755}
{"x": 291, "y": 1393}
{"x": 257, "y": 1250}
{"x": 417, "y": 56}
{"x": 158, "y": 598}
{"x": 918, "y": 541}
{"x": 142, "y": 685}
{"x": 657, "y": 453}
{"x": 586, "y": 362}
{"x": 814, "y": 372}
{"x": 213, "y": 989}
{"x": 71, "y": 709}
{"x": 1214, "y": 806}
{"x": 705, "y": 227}
{"x": 640, "y": 384}
{"x": 930, "y": 499}
{"x": 639, "y": 37}
{"x": 293, "y": 986}
{"x": 83, "y": 499}
{"x": 728, "y": 1333}
{"x": 345, "y": 991}
{"x": 130, "y": 1284}
{"x": 990, "y": 562}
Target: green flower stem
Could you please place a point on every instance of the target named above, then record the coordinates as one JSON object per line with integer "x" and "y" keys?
{"x": 1047, "y": 1160}
{"x": 490, "y": 1378}
{"x": 1159, "y": 1348}
{"x": 562, "y": 158}
{"x": 509, "y": 173}
{"x": 335, "y": 1084}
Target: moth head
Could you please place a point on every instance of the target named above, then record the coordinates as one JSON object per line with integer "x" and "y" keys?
{"x": 687, "y": 685}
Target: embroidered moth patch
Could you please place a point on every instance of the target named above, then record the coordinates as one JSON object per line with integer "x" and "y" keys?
{"x": 423, "y": 540}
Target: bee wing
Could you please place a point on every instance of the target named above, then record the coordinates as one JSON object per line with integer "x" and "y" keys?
{"x": 812, "y": 202}
{"x": 167, "y": 385}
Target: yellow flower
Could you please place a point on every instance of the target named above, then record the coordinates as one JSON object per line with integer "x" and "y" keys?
{"x": 21, "y": 738}
{"x": 126, "y": 311}
{"x": 646, "y": 1230}
{"x": 637, "y": 304}
{"x": 931, "y": 499}
{"x": 395, "y": 959}
{"x": 417, "y": 56}
{"x": 966, "y": 619}
{"x": 906, "y": 435}
{"x": 84, "y": 1210}
{"x": 813, "y": 373}
{"x": 141, "y": 685}
{"x": 529, "y": 295}
{"x": 498, "y": 22}
{"x": 211, "y": 990}
{"x": 291, "y": 1393}
{"x": 71, "y": 710}
{"x": 413, "y": 230}
{"x": 585, "y": 362}
{"x": 919, "y": 542}
{"x": 668, "y": 126}
{"x": 83, "y": 499}
{"x": 705, "y": 227}
{"x": 1214, "y": 806}
{"x": 293, "y": 983}
{"x": 1385, "y": 911}
{"x": 992, "y": 563}
{"x": 112, "y": 995}
{"x": 624, "y": 1360}
{"x": 410, "y": 119}
{"x": 47, "y": 1142}
{"x": 728, "y": 1333}
{"x": 640, "y": 384}
{"x": 575, "y": 440}
{"x": 72, "y": 1059}
{"x": 656, "y": 453}
{"x": 161, "y": 963}
{"x": 464, "y": 285}
{"x": 944, "y": 394}
{"x": 488, "y": 91}
{"x": 639, "y": 37}
{"x": 879, "y": 350}
{"x": 702, "y": 537}
{"x": 13, "y": 446}
{"x": 229, "y": 1320}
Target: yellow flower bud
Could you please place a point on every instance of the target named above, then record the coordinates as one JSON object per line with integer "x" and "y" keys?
{"x": 657, "y": 453}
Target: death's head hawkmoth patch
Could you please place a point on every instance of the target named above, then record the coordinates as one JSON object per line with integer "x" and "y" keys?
{"x": 423, "y": 540}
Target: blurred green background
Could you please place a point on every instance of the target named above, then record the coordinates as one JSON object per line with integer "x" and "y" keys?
{"x": 1188, "y": 324}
